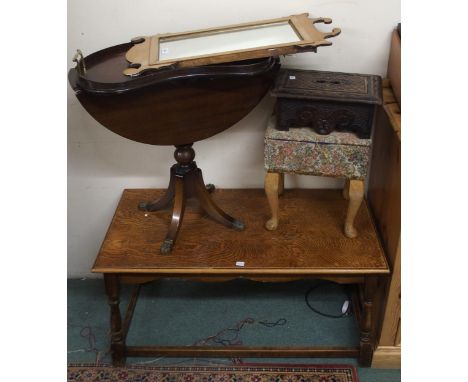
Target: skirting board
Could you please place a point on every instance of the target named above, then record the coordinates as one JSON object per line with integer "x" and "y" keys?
{"x": 387, "y": 357}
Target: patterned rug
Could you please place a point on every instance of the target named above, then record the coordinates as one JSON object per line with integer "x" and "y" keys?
{"x": 250, "y": 373}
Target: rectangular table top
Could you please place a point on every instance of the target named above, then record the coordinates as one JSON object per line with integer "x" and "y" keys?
{"x": 309, "y": 239}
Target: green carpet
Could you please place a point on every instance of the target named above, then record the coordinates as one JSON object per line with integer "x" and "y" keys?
{"x": 173, "y": 312}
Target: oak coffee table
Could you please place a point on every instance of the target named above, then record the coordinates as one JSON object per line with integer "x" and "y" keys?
{"x": 304, "y": 246}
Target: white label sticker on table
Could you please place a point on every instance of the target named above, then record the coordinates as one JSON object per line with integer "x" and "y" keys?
{"x": 292, "y": 77}
{"x": 240, "y": 263}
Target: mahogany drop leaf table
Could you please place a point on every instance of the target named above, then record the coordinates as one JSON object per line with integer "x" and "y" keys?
{"x": 180, "y": 88}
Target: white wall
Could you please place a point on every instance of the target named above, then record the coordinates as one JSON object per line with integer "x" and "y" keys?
{"x": 101, "y": 164}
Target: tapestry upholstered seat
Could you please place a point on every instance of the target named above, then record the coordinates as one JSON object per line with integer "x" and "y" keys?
{"x": 303, "y": 151}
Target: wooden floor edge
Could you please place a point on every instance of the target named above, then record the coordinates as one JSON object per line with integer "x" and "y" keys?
{"x": 387, "y": 357}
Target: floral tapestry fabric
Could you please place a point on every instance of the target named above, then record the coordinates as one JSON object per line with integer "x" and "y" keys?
{"x": 302, "y": 151}
{"x": 307, "y": 134}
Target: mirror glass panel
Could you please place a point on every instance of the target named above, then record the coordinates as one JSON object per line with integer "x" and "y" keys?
{"x": 176, "y": 48}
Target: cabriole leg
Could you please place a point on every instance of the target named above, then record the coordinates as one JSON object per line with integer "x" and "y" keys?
{"x": 272, "y": 183}
{"x": 356, "y": 195}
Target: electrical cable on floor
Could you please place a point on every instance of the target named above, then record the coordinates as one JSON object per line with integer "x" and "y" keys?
{"x": 346, "y": 309}
{"x": 220, "y": 337}
{"x": 87, "y": 333}
{"x": 228, "y": 336}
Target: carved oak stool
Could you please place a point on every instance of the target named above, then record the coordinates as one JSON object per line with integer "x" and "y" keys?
{"x": 303, "y": 151}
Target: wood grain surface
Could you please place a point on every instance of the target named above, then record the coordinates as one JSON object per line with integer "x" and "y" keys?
{"x": 144, "y": 55}
{"x": 178, "y": 112}
{"x": 308, "y": 242}
{"x": 384, "y": 189}
{"x": 384, "y": 198}
{"x": 169, "y": 107}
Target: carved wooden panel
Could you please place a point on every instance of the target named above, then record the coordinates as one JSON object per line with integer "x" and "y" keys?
{"x": 325, "y": 117}
{"x": 327, "y": 101}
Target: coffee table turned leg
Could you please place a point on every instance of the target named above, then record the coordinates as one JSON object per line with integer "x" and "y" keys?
{"x": 367, "y": 335}
{"x": 112, "y": 285}
{"x": 355, "y": 193}
{"x": 272, "y": 187}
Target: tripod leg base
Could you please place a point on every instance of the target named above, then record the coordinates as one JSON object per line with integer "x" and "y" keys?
{"x": 177, "y": 216}
{"x": 210, "y": 207}
{"x": 186, "y": 182}
{"x": 164, "y": 200}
